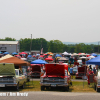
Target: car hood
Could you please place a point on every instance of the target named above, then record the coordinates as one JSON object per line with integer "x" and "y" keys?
{"x": 7, "y": 69}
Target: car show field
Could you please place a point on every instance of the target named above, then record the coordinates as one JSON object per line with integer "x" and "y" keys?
{"x": 78, "y": 86}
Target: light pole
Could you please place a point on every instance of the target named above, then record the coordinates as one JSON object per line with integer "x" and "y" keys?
{"x": 98, "y": 47}
{"x": 31, "y": 43}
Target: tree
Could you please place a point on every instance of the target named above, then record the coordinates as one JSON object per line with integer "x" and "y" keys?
{"x": 8, "y": 39}
{"x": 55, "y": 46}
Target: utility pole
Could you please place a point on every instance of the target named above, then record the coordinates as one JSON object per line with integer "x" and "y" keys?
{"x": 41, "y": 46}
{"x": 31, "y": 43}
{"x": 98, "y": 47}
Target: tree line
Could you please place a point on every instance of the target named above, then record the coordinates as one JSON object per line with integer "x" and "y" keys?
{"x": 55, "y": 46}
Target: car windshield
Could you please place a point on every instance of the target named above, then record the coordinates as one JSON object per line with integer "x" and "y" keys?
{"x": 16, "y": 71}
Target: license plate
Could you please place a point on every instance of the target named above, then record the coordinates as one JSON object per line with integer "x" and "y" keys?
{"x": 53, "y": 85}
{"x": 2, "y": 85}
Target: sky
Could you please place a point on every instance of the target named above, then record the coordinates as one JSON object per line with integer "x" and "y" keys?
{"x": 64, "y": 20}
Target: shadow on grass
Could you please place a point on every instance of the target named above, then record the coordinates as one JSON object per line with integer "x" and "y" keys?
{"x": 58, "y": 89}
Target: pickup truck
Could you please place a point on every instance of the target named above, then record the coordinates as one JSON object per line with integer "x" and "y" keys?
{"x": 11, "y": 77}
{"x": 56, "y": 75}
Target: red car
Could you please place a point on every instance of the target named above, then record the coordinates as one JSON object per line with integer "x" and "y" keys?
{"x": 56, "y": 75}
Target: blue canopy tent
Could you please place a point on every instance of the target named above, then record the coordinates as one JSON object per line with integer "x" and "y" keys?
{"x": 38, "y": 61}
{"x": 0, "y": 52}
{"x": 30, "y": 59}
{"x": 29, "y": 56}
{"x": 14, "y": 53}
{"x": 58, "y": 55}
{"x": 94, "y": 54}
{"x": 6, "y": 53}
{"x": 95, "y": 61}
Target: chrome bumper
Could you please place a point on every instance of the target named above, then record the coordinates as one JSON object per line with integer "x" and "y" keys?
{"x": 98, "y": 86}
{"x": 54, "y": 84}
{"x": 7, "y": 84}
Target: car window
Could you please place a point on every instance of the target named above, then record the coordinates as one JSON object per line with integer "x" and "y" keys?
{"x": 16, "y": 71}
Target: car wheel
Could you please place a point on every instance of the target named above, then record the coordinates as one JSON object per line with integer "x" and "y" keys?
{"x": 94, "y": 87}
{"x": 23, "y": 86}
{"x": 42, "y": 88}
{"x": 70, "y": 83}
{"x": 17, "y": 87}
{"x": 28, "y": 80}
{"x": 66, "y": 88}
{"x": 97, "y": 89}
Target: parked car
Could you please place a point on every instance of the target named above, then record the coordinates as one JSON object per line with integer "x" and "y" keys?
{"x": 11, "y": 77}
{"x": 56, "y": 75}
{"x": 36, "y": 70}
{"x": 81, "y": 73}
{"x": 97, "y": 81}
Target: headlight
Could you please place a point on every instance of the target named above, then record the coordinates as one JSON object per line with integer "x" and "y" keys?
{"x": 14, "y": 79}
{"x": 41, "y": 79}
{"x": 65, "y": 80}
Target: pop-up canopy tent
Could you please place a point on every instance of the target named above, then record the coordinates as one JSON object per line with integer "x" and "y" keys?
{"x": 6, "y": 53}
{"x": 93, "y": 54}
{"x": 65, "y": 53}
{"x": 11, "y": 59}
{"x": 58, "y": 55}
{"x": 62, "y": 58}
{"x": 14, "y": 53}
{"x": 0, "y": 52}
{"x": 95, "y": 61}
{"x": 38, "y": 61}
{"x": 49, "y": 59}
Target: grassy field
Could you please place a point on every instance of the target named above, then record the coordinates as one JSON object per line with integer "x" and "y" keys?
{"x": 76, "y": 87}
{"x": 35, "y": 86}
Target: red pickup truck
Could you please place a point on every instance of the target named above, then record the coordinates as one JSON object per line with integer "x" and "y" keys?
{"x": 56, "y": 75}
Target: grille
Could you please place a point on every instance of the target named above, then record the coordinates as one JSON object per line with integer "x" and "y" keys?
{"x": 80, "y": 74}
{"x": 6, "y": 80}
{"x": 53, "y": 80}
{"x": 35, "y": 74}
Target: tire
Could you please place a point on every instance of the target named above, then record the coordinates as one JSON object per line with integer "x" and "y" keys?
{"x": 17, "y": 87}
{"x": 66, "y": 88}
{"x": 42, "y": 88}
{"x": 47, "y": 88}
{"x": 28, "y": 80}
{"x": 94, "y": 87}
{"x": 23, "y": 86}
{"x": 97, "y": 89}
{"x": 71, "y": 83}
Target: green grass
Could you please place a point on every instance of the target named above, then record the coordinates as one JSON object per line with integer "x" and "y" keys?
{"x": 82, "y": 87}
{"x": 35, "y": 86}
{"x": 76, "y": 87}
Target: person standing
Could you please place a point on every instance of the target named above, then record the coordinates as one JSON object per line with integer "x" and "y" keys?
{"x": 90, "y": 73}
{"x": 71, "y": 72}
{"x": 94, "y": 70}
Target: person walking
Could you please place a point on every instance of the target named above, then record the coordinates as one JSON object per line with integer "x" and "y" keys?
{"x": 71, "y": 72}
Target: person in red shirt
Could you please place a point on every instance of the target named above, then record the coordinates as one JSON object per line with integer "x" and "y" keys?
{"x": 90, "y": 73}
